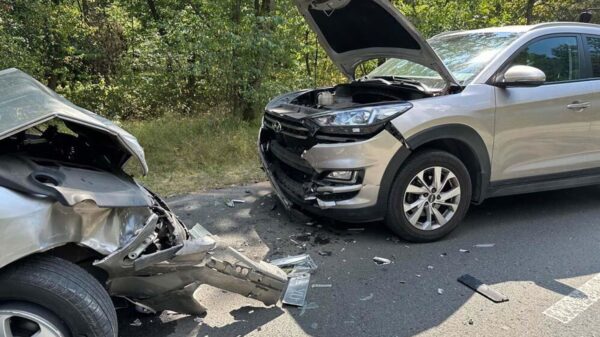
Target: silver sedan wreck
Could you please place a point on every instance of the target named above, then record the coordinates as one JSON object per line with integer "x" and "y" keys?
{"x": 76, "y": 229}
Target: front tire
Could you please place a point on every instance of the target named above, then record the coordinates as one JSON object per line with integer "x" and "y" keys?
{"x": 429, "y": 197}
{"x": 46, "y": 292}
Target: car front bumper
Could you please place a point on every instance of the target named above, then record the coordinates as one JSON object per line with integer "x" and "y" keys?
{"x": 299, "y": 180}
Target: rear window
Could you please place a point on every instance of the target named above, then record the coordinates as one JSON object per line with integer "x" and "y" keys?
{"x": 593, "y": 44}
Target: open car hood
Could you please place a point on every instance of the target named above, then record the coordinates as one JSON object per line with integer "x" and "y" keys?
{"x": 25, "y": 103}
{"x": 354, "y": 31}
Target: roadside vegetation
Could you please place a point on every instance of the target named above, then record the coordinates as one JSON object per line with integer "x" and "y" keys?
{"x": 188, "y": 154}
{"x": 190, "y": 77}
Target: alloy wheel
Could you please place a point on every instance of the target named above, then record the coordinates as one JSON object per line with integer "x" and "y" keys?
{"x": 20, "y": 323}
{"x": 432, "y": 198}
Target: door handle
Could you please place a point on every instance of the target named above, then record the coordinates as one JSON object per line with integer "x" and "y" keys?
{"x": 579, "y": 106}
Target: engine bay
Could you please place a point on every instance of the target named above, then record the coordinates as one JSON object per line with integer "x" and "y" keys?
{"x": 363, "y": 92}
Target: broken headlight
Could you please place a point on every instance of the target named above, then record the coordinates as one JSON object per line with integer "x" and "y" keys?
{"x": 362, "y": 120}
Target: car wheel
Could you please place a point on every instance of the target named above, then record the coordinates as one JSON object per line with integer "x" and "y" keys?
{"x": 49, "y": 296}
{"x": 429, "y": 197}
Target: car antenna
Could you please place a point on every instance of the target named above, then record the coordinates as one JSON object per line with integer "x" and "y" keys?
{"x": 586, "y": 15}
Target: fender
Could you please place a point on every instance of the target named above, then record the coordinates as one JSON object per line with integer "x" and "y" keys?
{"x": 457, "y": 132}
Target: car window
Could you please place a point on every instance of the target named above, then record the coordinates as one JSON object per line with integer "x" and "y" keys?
{"x": 557, "y": 57}
{"x": 594, "y": 51}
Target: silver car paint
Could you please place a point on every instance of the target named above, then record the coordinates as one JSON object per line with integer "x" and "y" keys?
{"x": 501, "y": 123}
{"x": 348, "y": 61}
{"x": 372, "y": 155}
{"x": 25, "y": 103}
{"x": 523, "y": 138}
{"x": 31, "y": 224}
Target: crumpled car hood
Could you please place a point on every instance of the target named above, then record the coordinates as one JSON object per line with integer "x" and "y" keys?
{"x": 25, "y": 103}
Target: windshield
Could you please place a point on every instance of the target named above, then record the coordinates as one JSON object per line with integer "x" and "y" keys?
{"x": 464, "y": 54}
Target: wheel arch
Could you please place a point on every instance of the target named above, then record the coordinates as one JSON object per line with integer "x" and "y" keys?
{"x": 70, "y": 251}
{"x": 458, "y": 139}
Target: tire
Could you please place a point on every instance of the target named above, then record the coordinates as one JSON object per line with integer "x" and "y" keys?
{"x": 64, "y": 291}
{"x": 438, "y": 217}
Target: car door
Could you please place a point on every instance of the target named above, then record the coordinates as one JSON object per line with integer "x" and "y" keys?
{"x": 592, "y": 56}
{"x": 544, "y": 130}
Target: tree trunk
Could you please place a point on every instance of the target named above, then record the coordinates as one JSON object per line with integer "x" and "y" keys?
{"x": 529, "y": 11}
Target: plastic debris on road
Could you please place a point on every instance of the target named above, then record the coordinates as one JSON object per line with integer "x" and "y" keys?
{"x": 367, "y": 298}
{"x": 303, "y": 260}
{"x": 231, "y": 203}
{"x": 299, "y": 277}
{"x": 297, "y": 289}
{"x": 485, "y": 245}
{"x": 381, "y": 260}
{"x": 316, "y": 285}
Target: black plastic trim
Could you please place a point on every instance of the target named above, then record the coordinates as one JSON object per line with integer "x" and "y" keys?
{"x": 547, "y": 182}
{"x": 472, "y": 140}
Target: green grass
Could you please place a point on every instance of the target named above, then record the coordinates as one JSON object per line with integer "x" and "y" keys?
{"x": 188, "y": 154}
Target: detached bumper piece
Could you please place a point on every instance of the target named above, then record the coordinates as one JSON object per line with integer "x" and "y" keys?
{"x": 161, "y": 276}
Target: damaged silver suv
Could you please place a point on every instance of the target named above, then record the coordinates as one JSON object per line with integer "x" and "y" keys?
{"x": 75, "y": 229}
{"x": 440, "y": 124}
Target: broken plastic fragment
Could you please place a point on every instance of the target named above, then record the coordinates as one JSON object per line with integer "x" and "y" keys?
{"x": 137, "y": 322}
{"x": 485, "y": 245}
{"x": 367, "y": 298}
{"x": 316, "y": 285}
{"x": 303, "y": 260}
{"x": 482, "y": 288}
{"x": 464, "y": 251}
{"x": 440, "y": 291}
{"x": 296, "y": 290}
{"x": 381, "y": 260}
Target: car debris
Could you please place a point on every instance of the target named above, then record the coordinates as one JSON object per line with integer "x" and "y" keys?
{"x": 63, "y": 174}
{"x": 325, "y": 253}
{"x": 381, "y": 260}
{"x": 485, "y": 245}
{"x": 303, "y": 260}
{"x": 367, "y": 298}
{"x": 316, "y": 285}
{"x": 440, "y": 291}
{"x": 482, "y": 288}
{"x": 299, "y": 277}
{"x": 231, "y": 203}
{"x": 136, "y": 323}
{"x": 297, "y": 289}
{"x": 464, "y": 251}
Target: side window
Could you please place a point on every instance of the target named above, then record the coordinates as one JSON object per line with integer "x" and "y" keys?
{"x": 594, "y": 51}
{"x": 557, "y": 57}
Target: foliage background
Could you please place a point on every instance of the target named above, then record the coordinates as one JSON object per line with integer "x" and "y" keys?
{"x": 190, "y": 77}
{"x": 142, "y": 59}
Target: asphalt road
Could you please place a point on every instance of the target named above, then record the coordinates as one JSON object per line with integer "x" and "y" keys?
{"x": 546, "y": 247}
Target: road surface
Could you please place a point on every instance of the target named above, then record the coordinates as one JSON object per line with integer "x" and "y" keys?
{"x": 544, "y": 258}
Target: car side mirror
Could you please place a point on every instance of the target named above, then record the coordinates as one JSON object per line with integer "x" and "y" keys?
{"x": 521, "y": 76}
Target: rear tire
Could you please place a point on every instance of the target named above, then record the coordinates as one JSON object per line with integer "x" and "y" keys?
{"x": 64, "y": 291}
{"x": 429, "y": 197}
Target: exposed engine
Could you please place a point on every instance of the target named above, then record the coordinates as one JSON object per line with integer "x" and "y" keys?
{"x": 362, "y": 92}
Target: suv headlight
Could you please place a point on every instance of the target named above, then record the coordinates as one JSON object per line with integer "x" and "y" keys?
{"x": 359, "y": 120}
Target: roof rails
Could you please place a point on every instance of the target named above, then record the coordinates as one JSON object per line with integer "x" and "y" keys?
{"x": 565, "y": 23}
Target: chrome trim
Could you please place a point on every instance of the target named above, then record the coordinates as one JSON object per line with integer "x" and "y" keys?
{"x": 339, "y": 189}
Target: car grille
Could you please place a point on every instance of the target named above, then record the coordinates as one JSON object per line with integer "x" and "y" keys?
{"x": 284, "y": 126}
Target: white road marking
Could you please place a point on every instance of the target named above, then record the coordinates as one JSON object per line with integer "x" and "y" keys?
{"x": 570, "y": 306}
